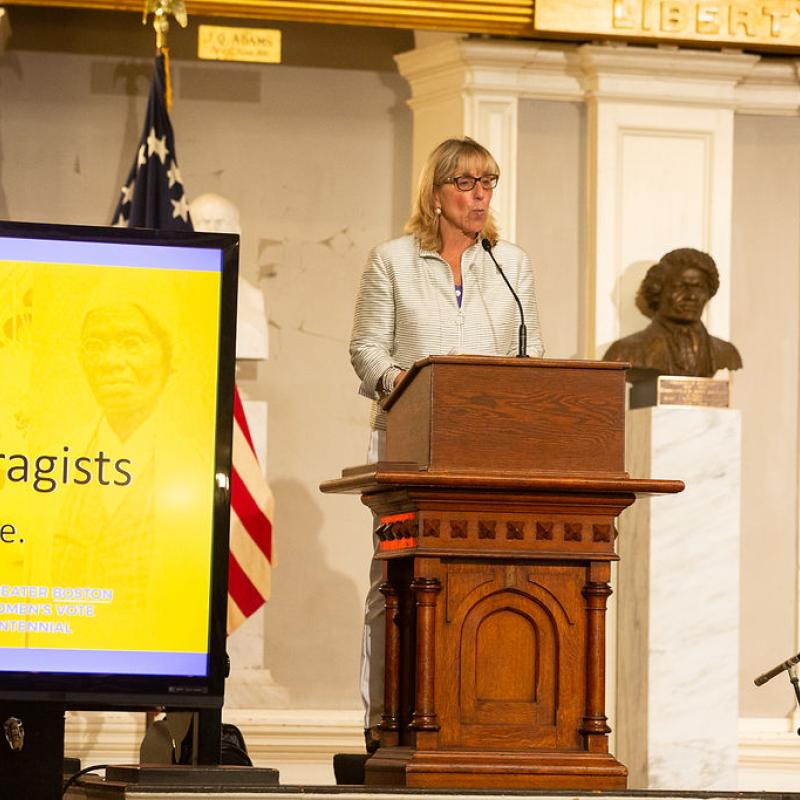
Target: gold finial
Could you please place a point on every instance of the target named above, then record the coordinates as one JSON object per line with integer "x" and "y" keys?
{"x": 161, "y": 9}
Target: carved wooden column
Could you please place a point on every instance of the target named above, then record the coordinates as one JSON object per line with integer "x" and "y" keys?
{"x": 425, "y": 591}
{"x": 596, "y": 592}
{"x": 390, "y": 723}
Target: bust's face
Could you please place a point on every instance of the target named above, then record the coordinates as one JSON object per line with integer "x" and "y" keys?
{"x": 684, "y": 295}
{"x": 214, "y": 214}
{"x": 123, "y": 360}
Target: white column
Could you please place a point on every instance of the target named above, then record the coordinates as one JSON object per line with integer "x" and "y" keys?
{"x": 678, "y": 634}
{"x": 491, "y": 119}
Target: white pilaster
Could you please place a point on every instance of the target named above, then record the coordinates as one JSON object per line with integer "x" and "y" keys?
{"x": 660, "y": 155}
{"x": 491, "y": 119}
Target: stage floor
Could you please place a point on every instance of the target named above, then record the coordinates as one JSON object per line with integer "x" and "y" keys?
{"x": 95, "y": 789}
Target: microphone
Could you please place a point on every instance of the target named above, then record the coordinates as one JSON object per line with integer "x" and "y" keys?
{"x": 790, "y": 662}
{"x": 522, "y": 350}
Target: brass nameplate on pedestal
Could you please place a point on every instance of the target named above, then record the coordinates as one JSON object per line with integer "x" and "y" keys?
{"x": 742, "y": 23}
{"x": 222, "y": 43}
{"x": 673, "y": 390}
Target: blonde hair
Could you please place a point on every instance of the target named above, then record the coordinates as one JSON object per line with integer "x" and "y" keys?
{"x": 450, "y": 156}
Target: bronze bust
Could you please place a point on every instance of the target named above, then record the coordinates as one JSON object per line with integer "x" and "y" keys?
{"x": 673, "y": 294}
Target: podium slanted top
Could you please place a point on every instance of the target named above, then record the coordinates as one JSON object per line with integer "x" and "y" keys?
{"x": 505, "y": 423}
{"x": 509, "y": 416}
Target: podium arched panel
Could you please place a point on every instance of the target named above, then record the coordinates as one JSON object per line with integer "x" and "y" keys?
{"x": 506, "y": 639}
{"x": 519, "y": 687}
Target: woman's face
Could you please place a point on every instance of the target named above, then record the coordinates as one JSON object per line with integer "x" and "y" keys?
{"x": 464, "y": 212}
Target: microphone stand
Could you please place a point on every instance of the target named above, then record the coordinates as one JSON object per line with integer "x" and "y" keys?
{"x": 790, "y": 665}
{"x": 522, "y": 349}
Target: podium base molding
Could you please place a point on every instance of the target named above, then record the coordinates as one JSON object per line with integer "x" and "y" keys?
{"x": 463, "y": 769}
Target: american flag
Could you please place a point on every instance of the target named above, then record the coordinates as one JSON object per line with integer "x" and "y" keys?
{"x": 153, "y": 197}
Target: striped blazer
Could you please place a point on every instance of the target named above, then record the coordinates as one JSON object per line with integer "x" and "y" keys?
{"x": 406, "y": 309}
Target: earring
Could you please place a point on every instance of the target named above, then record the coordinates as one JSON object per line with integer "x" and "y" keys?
{"x": 438, "y": 211}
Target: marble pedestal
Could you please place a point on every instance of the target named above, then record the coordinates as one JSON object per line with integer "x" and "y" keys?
{"x": 678, "y": 602}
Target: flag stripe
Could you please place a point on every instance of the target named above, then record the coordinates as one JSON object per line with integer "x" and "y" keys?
{"x": 250, "y": 472}
{"x": 253, "y": 519}
{"x": 235, "y": 616}
{"x": 241, "y": 420}
{"x": 252, "y": 506}
{"x": 247, "y": 597}
{"x": 251, "y": 558}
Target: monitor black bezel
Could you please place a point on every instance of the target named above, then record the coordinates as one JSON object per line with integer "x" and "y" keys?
{"x": 80, "y": 690}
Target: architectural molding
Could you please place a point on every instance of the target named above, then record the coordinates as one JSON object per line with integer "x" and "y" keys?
{"x": 503, "y": 17}
{"x": 771, "y": 88}
{"x": 568, "y": 72}
{"x": 300, "y": 743}
{"x": 768, "y": 759}
{"x": 663, "y": 75}
{"x": 524, "y": 69}
{"x": 104, "y": 737}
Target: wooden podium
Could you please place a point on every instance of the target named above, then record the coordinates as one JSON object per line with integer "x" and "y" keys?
{"x": 496, "y": 504}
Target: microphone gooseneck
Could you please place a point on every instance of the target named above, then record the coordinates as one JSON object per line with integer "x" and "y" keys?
{"x": 522, "y": 350}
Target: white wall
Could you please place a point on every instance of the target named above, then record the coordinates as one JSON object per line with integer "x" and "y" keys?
{"x": 317, "y": 159}
{"x": 764, "y": 325}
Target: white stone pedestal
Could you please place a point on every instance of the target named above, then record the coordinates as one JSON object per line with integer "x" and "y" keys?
{"x": 678, "y": 602}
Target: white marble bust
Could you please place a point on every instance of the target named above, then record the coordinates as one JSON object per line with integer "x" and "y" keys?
{"x": 212, "y": 213}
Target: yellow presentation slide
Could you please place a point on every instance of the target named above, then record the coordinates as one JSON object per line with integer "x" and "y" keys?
{"x": 107, "y": 457}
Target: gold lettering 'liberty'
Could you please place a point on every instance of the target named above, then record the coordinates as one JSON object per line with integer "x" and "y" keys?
{"x": 738, "y": 20}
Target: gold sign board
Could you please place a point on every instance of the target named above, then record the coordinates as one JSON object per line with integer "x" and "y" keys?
{"x": 741, "y": 23}
{"x": 218, "y": 43}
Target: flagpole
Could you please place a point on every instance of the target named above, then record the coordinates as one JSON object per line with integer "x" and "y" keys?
{"x": 161, "y": 11}
{"x": 153, "y": 197}
{"x": 205, "y": 725}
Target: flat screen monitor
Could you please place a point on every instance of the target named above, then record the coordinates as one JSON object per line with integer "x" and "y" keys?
{"x": 117, "y": 354}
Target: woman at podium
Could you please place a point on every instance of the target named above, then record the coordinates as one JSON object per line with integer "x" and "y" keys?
{"x": 435, "y": 291}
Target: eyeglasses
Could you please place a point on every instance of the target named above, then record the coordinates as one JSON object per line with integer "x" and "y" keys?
{"x": 466, "y": 183}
